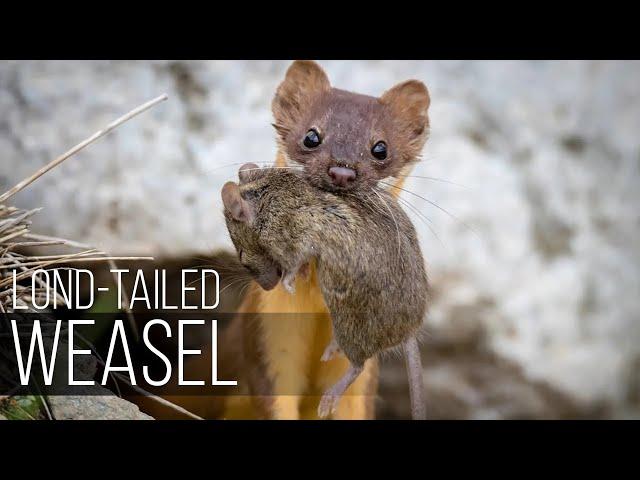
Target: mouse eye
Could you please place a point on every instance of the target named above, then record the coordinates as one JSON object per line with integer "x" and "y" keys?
{"x": 312, "y": 139}
{"x": 379, "y": 150}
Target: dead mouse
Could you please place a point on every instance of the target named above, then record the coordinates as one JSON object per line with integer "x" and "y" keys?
{"x": 370, "y": 266}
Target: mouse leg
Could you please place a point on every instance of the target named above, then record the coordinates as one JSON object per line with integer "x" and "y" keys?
{"x": 330, "y": 399}
{"x": 331, "y": 351}
{"x": 289, "y": 276}
{"x": 288, "y": 281}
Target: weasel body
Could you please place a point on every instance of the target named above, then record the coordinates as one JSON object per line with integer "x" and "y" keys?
{"x": 279, "y": 375}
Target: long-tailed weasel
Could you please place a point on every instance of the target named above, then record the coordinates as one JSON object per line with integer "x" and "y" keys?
{"x": 342, "y": 141}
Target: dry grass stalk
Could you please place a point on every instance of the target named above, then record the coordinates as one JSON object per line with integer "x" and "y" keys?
{"x": 156, "y": 398}
{"x": 101, "y": 133}
{"x": 14, "y": 225}
{"x": 15, "y": 236}
{"x": 15, "y": 232}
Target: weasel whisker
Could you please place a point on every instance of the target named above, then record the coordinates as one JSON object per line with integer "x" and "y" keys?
{"x": 226, "y": 165}
{"x": 392, "y": 217}
{"x": 423, "y": 217}
{"x": 435, "y": 179}
{"x": 431, "y": 202}
{"x": 293, "y": 167}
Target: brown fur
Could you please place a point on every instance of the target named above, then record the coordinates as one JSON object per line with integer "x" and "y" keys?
{"x": 349, "y": 124}
{"x": 369, "y": 261}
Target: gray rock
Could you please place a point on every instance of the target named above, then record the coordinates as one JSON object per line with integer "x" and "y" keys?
{"x": 96, "y": 403}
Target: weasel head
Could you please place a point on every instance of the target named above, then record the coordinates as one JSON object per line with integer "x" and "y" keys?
{"x": 344, "y": 140}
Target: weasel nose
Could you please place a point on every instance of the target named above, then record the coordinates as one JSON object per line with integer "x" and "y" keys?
{"x": 342, "y": 176}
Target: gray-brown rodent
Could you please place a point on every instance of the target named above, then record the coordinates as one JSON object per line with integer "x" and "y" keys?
{"x": 370, "y": 266}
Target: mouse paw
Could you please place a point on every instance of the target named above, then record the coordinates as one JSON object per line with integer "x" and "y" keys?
{"x": 288, "y": 282}
{"x": 289, "y": 286}
{"x": 328, "y": 404}
{"x": 331, "y": 351}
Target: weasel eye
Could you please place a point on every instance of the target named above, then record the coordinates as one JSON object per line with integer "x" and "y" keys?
{"x": 311, "y": 139}
{"x": 379, "y": 150}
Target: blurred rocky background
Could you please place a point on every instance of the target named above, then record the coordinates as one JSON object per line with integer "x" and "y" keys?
{"x": 536, "y": 267}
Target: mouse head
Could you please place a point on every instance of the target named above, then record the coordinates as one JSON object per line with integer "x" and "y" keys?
{"x": 345, "y": 140}
{"x": 239, "y": 214}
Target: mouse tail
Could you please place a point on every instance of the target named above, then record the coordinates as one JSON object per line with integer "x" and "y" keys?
{"x": 416, "y": 382}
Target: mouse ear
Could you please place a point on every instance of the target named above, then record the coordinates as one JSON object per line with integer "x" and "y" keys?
{"x": 409, "y": 102}
{"x": 239, "y": 208}
{"x": 304, "y": 81}
{"x": 249, "y": 172}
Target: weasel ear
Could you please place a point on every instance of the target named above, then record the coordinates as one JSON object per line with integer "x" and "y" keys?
{"x": 409, "y": 102}
{"x": 239, "y": 208}
{"x": 304, "y": 80}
